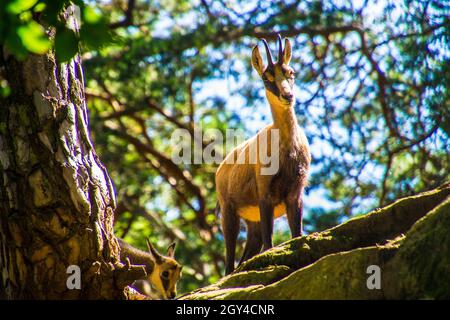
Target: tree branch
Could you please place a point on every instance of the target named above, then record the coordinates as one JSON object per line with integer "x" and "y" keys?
{"x": 128, "y": 19}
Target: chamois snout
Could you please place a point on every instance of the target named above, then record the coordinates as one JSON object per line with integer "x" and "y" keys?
{"x": 288, "y": 97}
{"x": 286, "y": 91}
{"x": 172, "y": 295}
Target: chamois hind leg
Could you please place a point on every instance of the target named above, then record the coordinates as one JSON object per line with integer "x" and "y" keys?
{"x": 230, "y": 228}
{"x": 295, "y": 214}
{"x": 254, "y": 242}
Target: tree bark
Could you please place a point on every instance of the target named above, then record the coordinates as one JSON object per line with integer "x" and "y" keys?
{"x": 56, "y": 197}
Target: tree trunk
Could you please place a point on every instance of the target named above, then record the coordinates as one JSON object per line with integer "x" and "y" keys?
{"x": 56, "y": 198}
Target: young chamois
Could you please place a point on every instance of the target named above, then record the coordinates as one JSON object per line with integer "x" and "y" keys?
{"x": 163, "y": 272}
{"x": 242, "y": 190}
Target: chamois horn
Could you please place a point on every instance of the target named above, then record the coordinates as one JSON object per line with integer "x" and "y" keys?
{"x": 269, "y": 55}
{"x": 280, "y": 50}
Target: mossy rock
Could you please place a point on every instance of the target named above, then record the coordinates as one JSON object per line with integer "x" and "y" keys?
{"x": 409, "y": 241}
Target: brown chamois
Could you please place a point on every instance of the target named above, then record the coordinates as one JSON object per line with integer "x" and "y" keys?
{"x": 242, "y": 190}
{"x": 163, "y": 272}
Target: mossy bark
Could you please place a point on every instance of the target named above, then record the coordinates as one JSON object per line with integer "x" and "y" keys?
{"x": 409, "y": 240}
{"x": 56, "y": 198}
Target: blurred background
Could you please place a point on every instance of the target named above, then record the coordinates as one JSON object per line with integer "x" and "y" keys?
{"x": 372, "y": 94}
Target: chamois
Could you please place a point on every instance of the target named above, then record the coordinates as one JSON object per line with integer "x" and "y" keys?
{"x": 242, "y": 190}
{"x": 163, "y": 272}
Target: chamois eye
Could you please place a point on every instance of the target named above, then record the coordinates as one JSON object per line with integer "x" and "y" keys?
{"x": 268, "y": 77}
{"x": 165, "y": 274}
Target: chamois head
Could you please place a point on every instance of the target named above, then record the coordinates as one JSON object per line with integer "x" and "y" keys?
{"x": 166, "y": 271}
{"x": 278, "y": 77}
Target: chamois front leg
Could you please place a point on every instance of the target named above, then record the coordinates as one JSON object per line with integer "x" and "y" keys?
{"x": 266, "y": 212}
{"x": 294, "y": 208}
{"x": 230, "y": 227}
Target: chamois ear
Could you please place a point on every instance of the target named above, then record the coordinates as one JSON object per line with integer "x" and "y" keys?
{"x": 171, "y": 250}
{"x": 156, "y": 255}
{"x": 257, "y": 60}
{"x": 287, "y": 53}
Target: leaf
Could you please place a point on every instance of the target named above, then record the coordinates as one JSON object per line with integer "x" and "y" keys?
{"x": 18, "y": 6}
{"x": 95, "y": 36}
{"x": 5, "y": 90}
{"x": 33, "y": 37}
{"x": 66, "y": 44}
{"x": 40, "y": 7}
{"x": 91, "y": 16}
{"x": 94, "y": 31}
{"x": 52, "y": 9}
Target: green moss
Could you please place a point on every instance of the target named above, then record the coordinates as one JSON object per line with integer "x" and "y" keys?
{"x": 264, "y": 276}
{"x": 246, "y": 279}
{"x": 336, "y": 276}
{"x": 423, "y": 261}
{"x": 224, "y": 294}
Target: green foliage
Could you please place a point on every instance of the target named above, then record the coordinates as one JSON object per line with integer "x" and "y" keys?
{"x": 23, "y": 23}
{"x": 66, "y": 44}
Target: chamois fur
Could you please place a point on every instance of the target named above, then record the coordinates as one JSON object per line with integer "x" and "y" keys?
{"x": 163, "y": 272}
{"x": 242, "y": 191}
